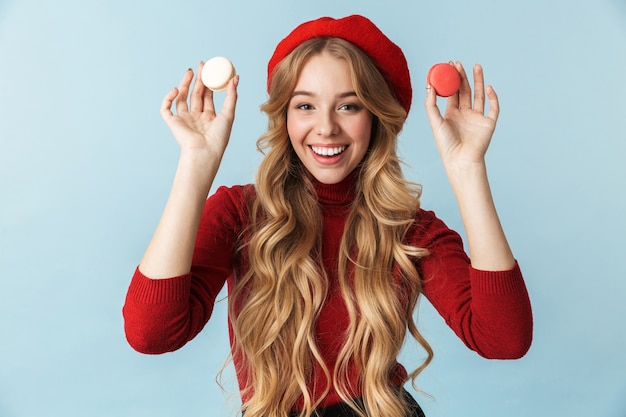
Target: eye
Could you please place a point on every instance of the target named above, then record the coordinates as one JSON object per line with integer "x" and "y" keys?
{"x": 304, "y": 106}
{"x": 350, "y": 107}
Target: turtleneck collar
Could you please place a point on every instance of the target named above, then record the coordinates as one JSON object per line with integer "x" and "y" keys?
{"x": 342, "y": 193}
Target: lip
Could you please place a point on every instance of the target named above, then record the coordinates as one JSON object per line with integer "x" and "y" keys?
{"x": 328, "y": 160}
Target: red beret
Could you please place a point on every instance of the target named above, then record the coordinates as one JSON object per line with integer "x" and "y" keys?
{"x": 361, "y": 32}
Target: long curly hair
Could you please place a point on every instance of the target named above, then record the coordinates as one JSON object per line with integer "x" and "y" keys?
{"x": 274, "y": 304}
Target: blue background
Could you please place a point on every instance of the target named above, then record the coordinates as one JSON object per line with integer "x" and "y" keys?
{"x": 86, "y": 164}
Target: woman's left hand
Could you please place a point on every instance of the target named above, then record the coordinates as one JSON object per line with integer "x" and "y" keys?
{"x": 462, "y": 135}
{"x": 464, "y": 132}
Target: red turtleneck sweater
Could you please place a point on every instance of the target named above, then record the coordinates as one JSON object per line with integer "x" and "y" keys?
{"x": 489, "y": 311}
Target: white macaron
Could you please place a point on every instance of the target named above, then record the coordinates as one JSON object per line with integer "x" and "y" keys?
{"x": 217, "y": 72}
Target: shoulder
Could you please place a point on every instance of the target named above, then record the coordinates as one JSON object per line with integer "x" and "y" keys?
{"x": 229, "y": 204}
{"x": 429, "y": 231}
{"x": 233, "y": 191}
{"x": 235, "y": 196}
{"x": 427, "y": 221}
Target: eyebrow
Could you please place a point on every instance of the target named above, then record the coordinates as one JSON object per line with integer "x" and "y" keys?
{"x": 310, "y": 94}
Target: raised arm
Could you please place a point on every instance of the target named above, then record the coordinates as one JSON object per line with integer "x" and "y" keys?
{"x": 203, "y": 136}
{"x": 462, "y": 135}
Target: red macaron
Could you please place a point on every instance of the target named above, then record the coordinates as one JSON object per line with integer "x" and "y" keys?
{"x": 445, "y": 79}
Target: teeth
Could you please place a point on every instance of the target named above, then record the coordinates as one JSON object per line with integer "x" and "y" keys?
{"x": 328, "y": 151}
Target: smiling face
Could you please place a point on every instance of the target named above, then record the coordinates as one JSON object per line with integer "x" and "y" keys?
{"x": 328, "y": 126}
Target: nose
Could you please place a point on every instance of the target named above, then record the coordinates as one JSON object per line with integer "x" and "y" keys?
{"x": 327, "y": 124}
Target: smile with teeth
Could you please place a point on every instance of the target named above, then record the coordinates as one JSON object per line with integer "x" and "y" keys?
{"x": 328, "y": 151}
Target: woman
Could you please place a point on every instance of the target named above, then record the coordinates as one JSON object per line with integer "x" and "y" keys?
{"x": 325, "y": 256}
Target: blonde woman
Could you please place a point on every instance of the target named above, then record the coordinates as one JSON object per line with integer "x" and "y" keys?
{"x": 326, "y": 255}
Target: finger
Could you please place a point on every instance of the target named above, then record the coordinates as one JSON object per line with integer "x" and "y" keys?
{"x": 465, "y": 91}
{"x": 432, "y": 111}
{"x": 230, "y": 102}
{"x": 209, "y": 105}
{"x": 183, "y": 91}
{"x": 452, "y": 102}
{"x": 208, "y": 101}
{"x": 479, "y": 89}
{"x": 166, "y": 104}
{"x": 494, "y": 104}
{"x": 196, "y": 99}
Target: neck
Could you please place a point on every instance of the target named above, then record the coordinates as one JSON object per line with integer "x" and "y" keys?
{"x": 341, "y": 193}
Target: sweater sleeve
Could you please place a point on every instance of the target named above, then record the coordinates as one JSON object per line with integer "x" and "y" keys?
{"x": 162, "y": 315}
{"x": 489, "y": 311}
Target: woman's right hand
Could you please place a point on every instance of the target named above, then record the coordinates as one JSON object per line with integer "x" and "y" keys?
{"x": 202, "y": 135}
{"x": 196, "y": 126}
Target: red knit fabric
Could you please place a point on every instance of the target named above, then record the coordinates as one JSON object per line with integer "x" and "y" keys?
{"x": 489, "y": 311}
{"x": 361, "y": 32}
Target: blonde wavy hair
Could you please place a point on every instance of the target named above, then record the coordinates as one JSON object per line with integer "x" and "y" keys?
{"x": 274, "y": 304}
